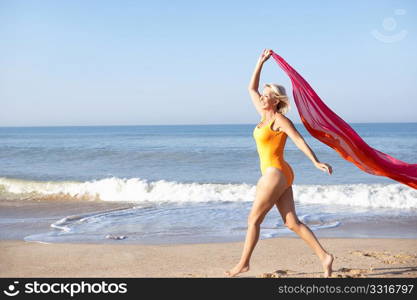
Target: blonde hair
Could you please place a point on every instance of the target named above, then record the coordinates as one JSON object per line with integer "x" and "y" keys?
{"x": 278, "y": 91}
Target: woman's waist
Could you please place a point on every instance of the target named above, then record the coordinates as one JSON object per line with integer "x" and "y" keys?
{"x": 273, "y": 159}
{"x": 275, "y": 155}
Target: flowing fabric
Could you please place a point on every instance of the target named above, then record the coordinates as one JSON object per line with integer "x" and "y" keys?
{"x": 330, "y": 129}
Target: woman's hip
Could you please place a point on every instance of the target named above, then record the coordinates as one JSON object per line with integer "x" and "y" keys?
{"x": 277, "y": 169}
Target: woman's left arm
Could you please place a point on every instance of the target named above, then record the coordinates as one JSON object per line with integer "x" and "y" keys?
{"x": 289, "y": 128}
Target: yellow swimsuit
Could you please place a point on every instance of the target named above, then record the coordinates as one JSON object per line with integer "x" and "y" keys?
{"x": 270, "y": 145}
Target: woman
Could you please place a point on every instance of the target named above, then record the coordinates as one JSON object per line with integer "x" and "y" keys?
{"x": 275, "y": 185}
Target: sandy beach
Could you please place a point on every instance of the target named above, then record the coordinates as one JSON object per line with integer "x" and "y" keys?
{"x": 277, "y": 257}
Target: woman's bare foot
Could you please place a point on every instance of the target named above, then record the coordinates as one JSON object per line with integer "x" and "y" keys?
{"x": 237, "y": 269}
{"x": 327, "y": 265}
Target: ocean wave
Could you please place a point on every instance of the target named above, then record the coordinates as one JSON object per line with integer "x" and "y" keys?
{"x": 129, "y": 190}
{"x": 139, "y": 190}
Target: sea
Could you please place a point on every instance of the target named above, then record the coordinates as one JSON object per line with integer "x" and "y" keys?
{"x": 160, "y": 184}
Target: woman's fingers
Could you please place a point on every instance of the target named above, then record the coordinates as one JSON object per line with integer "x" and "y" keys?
{"x": 329, "y": 169}
{"x": 326, "y": 168}
{"x": 266, "y": 51}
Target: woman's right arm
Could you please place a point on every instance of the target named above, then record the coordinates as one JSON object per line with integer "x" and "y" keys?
{"x": 254, "y": 82}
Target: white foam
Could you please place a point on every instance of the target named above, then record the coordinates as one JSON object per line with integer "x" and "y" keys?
{"x": 140, "y": 190}
{"x": 361, "y": 195}
{"x": 132, "y": 190}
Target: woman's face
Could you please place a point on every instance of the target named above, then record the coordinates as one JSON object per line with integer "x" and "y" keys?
{"x": 267, "y": 99}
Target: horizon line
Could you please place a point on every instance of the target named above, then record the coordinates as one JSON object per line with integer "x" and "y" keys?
{"x": 118, "y": 125}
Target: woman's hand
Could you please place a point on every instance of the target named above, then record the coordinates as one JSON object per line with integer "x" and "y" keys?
{"x": 324, "y": 167}
{"x": 265, "y": 55}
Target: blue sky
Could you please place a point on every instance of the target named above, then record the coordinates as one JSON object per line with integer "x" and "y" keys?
{"x": 189, "y": 62}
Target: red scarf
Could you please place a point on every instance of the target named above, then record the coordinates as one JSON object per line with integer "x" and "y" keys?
{"x": 330, "y": 129}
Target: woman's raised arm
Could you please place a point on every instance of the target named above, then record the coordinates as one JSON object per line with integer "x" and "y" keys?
{"x": 254, "y": 82}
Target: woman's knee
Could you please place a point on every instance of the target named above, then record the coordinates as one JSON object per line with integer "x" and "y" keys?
{"x": 255, "y": 220}
{"x": 293, "y": 225}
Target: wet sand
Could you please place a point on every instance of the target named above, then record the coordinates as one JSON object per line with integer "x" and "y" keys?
{"x": 36, "y": 216}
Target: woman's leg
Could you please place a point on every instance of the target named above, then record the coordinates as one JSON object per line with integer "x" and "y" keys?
{"x": 270, "y": 186}
{"x": 286, "y": 208}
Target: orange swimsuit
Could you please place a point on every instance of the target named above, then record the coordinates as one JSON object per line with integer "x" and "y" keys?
{"x": 270, "y": 145}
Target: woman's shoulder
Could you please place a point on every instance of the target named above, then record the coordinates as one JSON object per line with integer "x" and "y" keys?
{"x": 281, "y": 119}
{"x": 280, "y": 116}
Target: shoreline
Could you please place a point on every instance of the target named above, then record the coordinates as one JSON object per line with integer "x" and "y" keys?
{"x": 274, "y": 257}
{"x": 24, "y": 218}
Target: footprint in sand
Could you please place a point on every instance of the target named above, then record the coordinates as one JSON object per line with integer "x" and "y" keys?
{"x": 351, "y": 273}
{"x": 276, "y": 274}
{"x": 193, "y": 275}
{"x": 386, "y": 257}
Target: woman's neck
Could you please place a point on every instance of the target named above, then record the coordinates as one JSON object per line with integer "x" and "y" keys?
{"x": 270, "y": 115}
